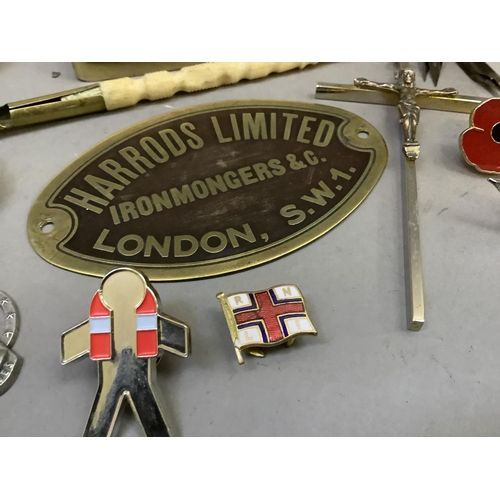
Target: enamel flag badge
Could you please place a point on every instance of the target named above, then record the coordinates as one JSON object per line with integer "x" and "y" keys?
{"x": 265, "y": 318}
{"x": 480, "y": 143}
{"x": 126, "y": 334}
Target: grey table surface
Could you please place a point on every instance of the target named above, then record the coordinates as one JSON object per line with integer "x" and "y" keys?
{"x": 364, "y": 374}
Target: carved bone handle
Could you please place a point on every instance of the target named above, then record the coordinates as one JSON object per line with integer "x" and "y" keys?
{"x": 124, "y": 92}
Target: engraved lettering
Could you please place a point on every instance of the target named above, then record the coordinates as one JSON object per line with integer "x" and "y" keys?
{"x": 114, "y": 169}
{"x": 85, "y": 199}
{"x": 200, "y": 189}
{"x": 272, "y": 134}
{"x": 232, "y": 180}
{"x": 218, "y": 131}
{"x": 99, "y": 244}
{"x": 304, "y": 128}
{"x": 114, "y": 215}
{"x": 104, "y": 187}
{"x": 254, "y": 127}
{"x": 185, "y": 252}
{"x": 276, "y": 167}
{"x": 136, "y": 159}
{"x": 310, "y": 157}
{"x": 211, "y": 235}
{"x": 174, "y": 143}
{"x": 127, "y": 210}
{"x": 234, "y": 124}
{"x": 288, "y": 124}
{"x": 154, "y": 149}
{"x": 152, "y": 242}
{"x": 262, "y": 171}
{"x": 246, "y": 176}
{"x": 289, "y": 211}
{"x": 247, "y": 235}
{"x": 324, "y": 133}
{"x": 185, "y": 195}
{"x": 161, "y": 201}
{"x": 137, "y": 245}
{"x": 195, "y": 141}
{"x": 319, "y": 195}
{"x": 216, "y": 184}
{"x": 144, "y": 205}
{"x": 337, "y": 173}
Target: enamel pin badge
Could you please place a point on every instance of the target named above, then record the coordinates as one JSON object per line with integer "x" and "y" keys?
{"x": 480, "y": 143}
{"x": 126, "y": 334}
{"x": 265, "y": 318}
{"x": 10, "y": 364}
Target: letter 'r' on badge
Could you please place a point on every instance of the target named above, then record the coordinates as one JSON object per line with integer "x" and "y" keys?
{"x": 480, "y": 143}
{"x": 265, "y": 318}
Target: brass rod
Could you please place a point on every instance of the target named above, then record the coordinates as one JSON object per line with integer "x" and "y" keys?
{"x": 415, "y": 278}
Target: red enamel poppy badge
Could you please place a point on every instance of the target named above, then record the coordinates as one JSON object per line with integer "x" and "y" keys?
{"x": 480, "y": 143}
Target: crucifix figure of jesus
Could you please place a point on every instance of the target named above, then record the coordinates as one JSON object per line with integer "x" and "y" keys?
{"x": 409, "y": 111}
{"x": 409, "y": 116}
{"x": 408, "y": 99}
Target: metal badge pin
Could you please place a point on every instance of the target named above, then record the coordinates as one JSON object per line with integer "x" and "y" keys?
{"x": 480, "y": 143}
{"x": 125, "y": 334}
{"x": 495, "y": 182}
{"x": 10, "y": 364}
{"x": 265, "y": 318}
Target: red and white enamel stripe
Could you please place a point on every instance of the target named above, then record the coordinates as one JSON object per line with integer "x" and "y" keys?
{"x": 147, "y": 327}
{"x": 101, "y": 328}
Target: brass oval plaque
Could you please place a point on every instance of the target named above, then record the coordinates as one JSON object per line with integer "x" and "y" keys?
{"x": 208, "y": 190}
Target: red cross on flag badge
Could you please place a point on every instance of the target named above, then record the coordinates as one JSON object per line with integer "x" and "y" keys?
{"x": 265, "y": 318}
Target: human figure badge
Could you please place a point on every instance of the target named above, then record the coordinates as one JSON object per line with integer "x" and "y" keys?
{"x": 126, "y": 334}
{"x": 265, "y": 318}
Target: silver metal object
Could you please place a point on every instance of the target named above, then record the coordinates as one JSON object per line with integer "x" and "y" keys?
{"x": 409, "y": 114}
{"x": 10, "y": 364}
{"x": 434, "y": 68}
{"x": 495, "y": 182}
{"x": 483, "y": 74}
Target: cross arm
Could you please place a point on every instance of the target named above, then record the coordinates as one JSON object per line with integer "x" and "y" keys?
{"x": 351, "y": 93}
{"x": 368, "y": 84}
{"x": 75, "y": 343}
{"x": 447, "y": 92}
{"x": 175, "y": 337}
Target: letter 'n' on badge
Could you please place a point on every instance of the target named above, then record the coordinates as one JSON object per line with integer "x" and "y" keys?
{"x": 265, "y": 318}
{"x": 126, "y": 334}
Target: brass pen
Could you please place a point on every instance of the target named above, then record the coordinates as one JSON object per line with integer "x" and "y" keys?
{"x": 77, "y": 102}
{"x": 124, "y": 92}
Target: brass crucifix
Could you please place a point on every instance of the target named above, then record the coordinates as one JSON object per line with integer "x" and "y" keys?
{"x": 407, "y": 94}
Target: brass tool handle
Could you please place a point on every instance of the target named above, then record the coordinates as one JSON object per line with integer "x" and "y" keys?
{"x": 125, "y": 92}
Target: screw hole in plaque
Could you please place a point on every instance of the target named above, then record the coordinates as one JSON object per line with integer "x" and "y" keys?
{"x": 363, "y": 134}
{"x": 47, "y": 227}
